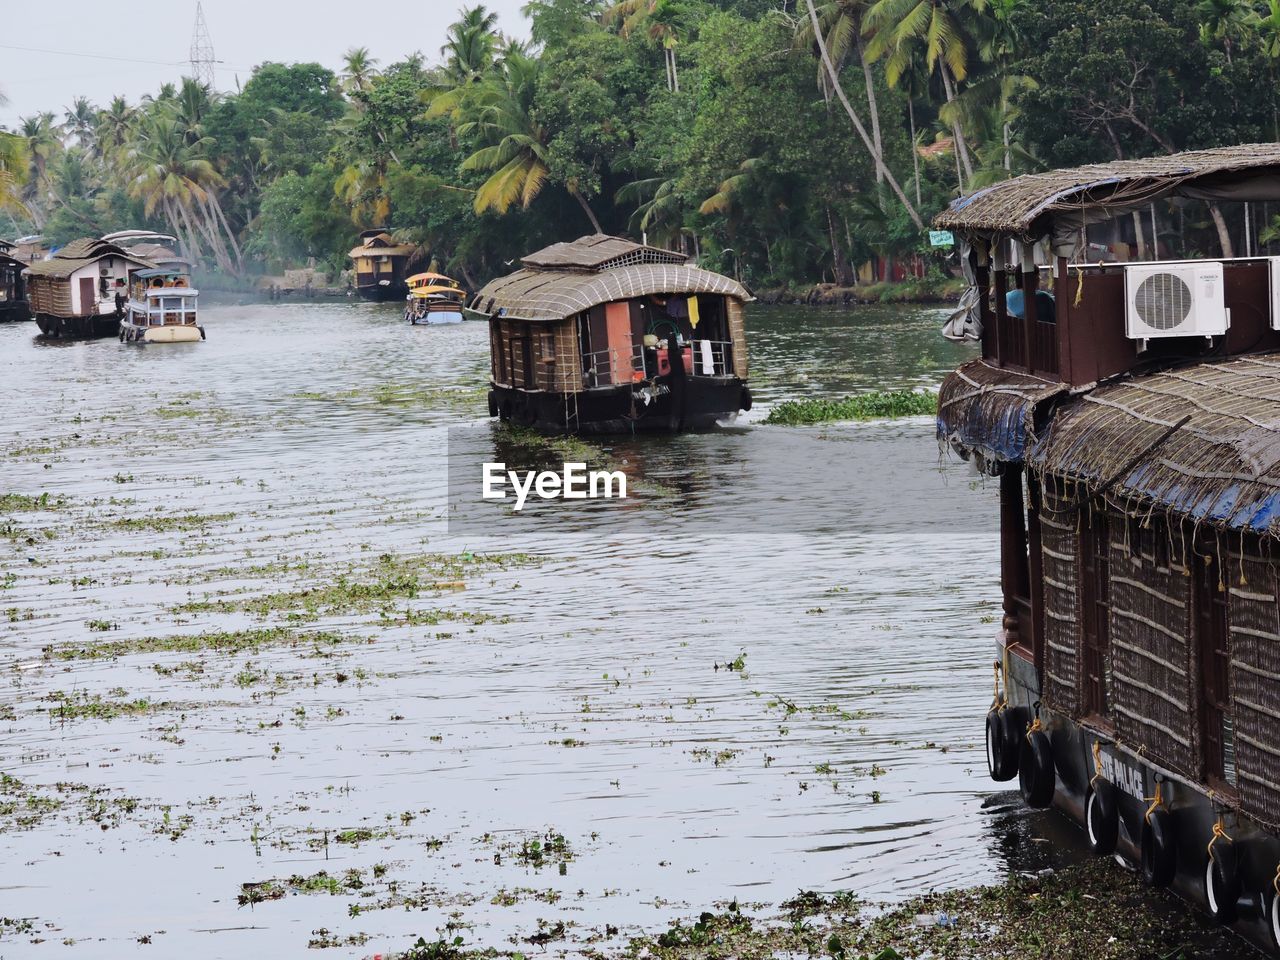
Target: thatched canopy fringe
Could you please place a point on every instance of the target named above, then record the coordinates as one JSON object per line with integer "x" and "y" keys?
{"x": 992, "y": 412}
{"x": 1222, "y": 468}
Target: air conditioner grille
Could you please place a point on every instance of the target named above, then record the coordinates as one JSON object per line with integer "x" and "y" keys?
{"x": 1163, "y": 301}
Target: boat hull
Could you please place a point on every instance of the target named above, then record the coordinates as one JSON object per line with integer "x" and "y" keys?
{"x": 78, "y": 328}
{"x": 698, "y": 403}
{"x": 1134, "y": 779}
{"x": 173, "y": 333}
{"x": 377, "y": 293}
{"x": 14, "y": 311}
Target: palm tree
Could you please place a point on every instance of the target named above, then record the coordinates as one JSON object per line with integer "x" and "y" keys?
{"x": 899, "y": 28}
{"x": 841, "y": 24}
{"x": 469, "y": 58}
{"x": 79, "y": 121}
{"x": 1224, "y": 21}
{"x": 15, "y": 164}
{"x": 358, "y": 70}
{"x": 660, "y": 209}
{"x": 662, "y": 17}
{"x": 171, "y": 174}
{"x": 112, "y": 127}
{"x": 514, "y": 144}
{"x": 43, "y": 144}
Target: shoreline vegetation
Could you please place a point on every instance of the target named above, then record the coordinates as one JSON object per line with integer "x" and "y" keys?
{"x": 1091, "y": 911}
{"x": 777, "y": 144}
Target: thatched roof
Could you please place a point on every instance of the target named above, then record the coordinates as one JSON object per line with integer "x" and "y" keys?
{"x": 80, "y": 253}
{"x": 1222, "y": 466}
{"x": 1022, "y": 206}
{"x": 599, "y": 251}
{"x": 556, "y": 294}
{"x": 381, "y": 244}
{"x": 990, "y": 411}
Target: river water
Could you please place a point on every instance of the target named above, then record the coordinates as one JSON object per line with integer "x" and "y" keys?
{"x": 573, "y": 679}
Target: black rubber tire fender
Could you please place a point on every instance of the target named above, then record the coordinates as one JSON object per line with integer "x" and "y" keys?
{"x": 1002, "y": 763}
{"x": 745, "y": 400}
{"x": 1159, "y": 851}
{"x": 493, "y": 404}
{"x": 1222, "y": 887}
{"x": 504, "y": 411}
{"x": 1273, "y": 915}
{"x": 1036, "y": 776}
{"x": 1102, "y": 818}
{"x": 1015, "y": 721}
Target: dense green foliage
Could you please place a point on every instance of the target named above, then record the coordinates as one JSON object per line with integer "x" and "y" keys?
{"x": 729, "y": 128}
{"x": 863, "y": 406}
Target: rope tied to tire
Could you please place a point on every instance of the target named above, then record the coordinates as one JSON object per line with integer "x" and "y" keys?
{"x": 999, "y": 700}
{"x": 1156, "y": 802}
{"x": 1097, "y": 763}
{"x": 1220, "y": 833}
{"x": 1035, "y": 727}
{"x": 1276, "y": 882}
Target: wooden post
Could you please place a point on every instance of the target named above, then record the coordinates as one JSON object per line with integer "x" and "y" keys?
{"x": 1013, "y": 549}
{"x": 1002, "y": 310}
{"x": 1064, "y": 300}
{"x": 1030, "y": 282}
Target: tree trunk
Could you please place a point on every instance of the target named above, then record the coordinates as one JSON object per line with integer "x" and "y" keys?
{"x": 962, "y": 150}
{"x": 587, "y": 209}
{"x": 915, "y": 150}
{"x": 872, "y": 108}
{"x": 1138, "y": 235}
{"x": 1224, "y": 235}
{"x": 235, "y": 246}
{"x": 837, "y": 256}
{"x": 856, "y": 120}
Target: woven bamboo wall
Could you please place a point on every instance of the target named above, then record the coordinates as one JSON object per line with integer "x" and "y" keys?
{"x": 568, "y": 356}
{"x": 738, "y": 334}
{"x": 50, "y": 296}
{"x": 1060, "y": 553}
{"x": 1155, "y": 677}
{"x": 556, "y": 355}
{"x": 1254, "y": 618}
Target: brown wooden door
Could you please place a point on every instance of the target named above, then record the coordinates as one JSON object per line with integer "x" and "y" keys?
{"x": 1094, "y": 613}
{"x": 1213, "y": 641}
{"x": 88, "y": 297}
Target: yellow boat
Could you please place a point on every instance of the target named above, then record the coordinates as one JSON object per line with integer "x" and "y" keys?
{"x": 433, "y": 299}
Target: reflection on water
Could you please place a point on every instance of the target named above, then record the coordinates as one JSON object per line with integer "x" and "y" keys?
{"x": 586, "y": 694}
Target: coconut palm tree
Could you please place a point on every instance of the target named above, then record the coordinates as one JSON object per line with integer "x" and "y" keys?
{"x": 112, "y": 127}
{"x": 79, "y": 121}
{"x": 171, "y": 174}
{"x": 15, "y": 164}
{"x": 470, "y": 53}
{"x": 43, "y": 144}
{"x": 661, "y": 20}
{"x": 660, "y": 209}
{"x": 358, "y": 70}
{"x": 513, "y": 143}
{"x": 940, "y": 30}
{"x": 1225, "y": 22}
{"x": 841, "y": 23}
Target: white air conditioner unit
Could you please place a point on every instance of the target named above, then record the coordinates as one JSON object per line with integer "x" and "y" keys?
{"x": 1175, "y": 300}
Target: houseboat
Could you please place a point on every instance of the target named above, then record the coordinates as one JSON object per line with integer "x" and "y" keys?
{"x": 13, "y": 288}
{"x": 161, "y": 308}
{"x": 433, "y": 298}
{"x": 605, "y": 335}
{"x": 381, "y": 265}
{"x": 1130, "y": 413}
{"x": 81, "y": 291}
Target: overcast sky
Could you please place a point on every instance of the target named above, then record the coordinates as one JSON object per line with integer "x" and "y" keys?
{"x": 41, "y": 76}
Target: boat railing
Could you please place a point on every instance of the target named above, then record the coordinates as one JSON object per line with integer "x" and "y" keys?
{"x": 170, "y": 306}
{"x": 609, "y": 367}
{"x": 712, "y": 358}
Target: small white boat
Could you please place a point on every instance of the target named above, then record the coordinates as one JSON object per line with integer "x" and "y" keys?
{"x": 161, "y": 309}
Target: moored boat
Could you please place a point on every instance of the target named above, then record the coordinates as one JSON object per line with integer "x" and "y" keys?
{"x": 1131, "y": 413}
{"x": 606, "y": 335}
{"x": 161, "y": 308}
{"x": 81, "y": 291}
{"x": 381, "y": 265}
{"x": 433, "y": 298}
{"x": 13, "y": 291}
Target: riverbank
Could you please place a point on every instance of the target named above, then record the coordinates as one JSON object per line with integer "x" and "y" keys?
{"x": 1092, "y": 911}
{"x": 926, "y": 290}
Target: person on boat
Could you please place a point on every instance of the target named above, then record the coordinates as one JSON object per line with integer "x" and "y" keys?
{"x": 120, "y": 301}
